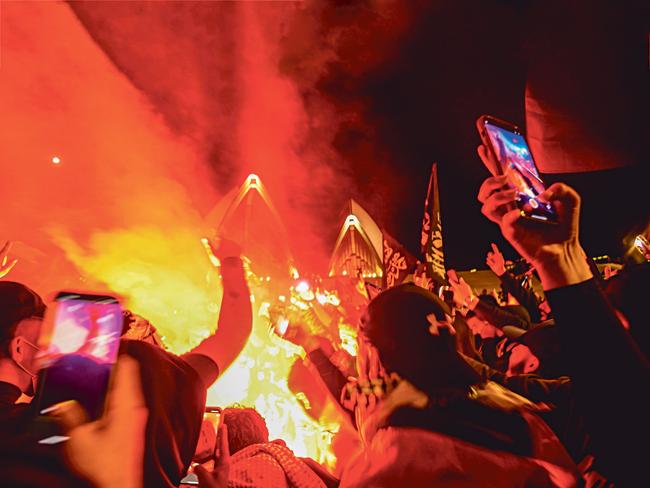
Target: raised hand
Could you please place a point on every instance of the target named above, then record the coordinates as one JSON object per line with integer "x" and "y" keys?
{"x": 5, "y": 265}
{"x": 218, "y": 477}
{"x": 554, "y": 249}
{"x": 298, "y": 333}
{"x": 110, "y": 451}
{"x": 495, "y": 261}
{"x": 225, "y": 248}
{"x": 463, "y": 293}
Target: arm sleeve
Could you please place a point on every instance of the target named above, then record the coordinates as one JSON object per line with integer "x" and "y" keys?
{"x": 610, "y": 378}
{"x": 205, "y": 367}
{"x": 535, "y": 388}
{"x": 235, "y": 321}
{"x": 525, "y": 297}
{"x": 497, "y": 316}
{"x": 331, "y": 375}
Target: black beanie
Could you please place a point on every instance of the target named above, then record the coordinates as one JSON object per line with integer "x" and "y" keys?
{"x": 396, "y": 325}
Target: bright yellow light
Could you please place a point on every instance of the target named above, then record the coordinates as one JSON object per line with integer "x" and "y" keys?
{"x": 298, "y": 303}
{"x": 641, "y": 244}
{"x": 259, "y": 379}
{"x": 253, "y": 181}
{"x": 302, "y": 287}
{"x": 56, "y": 160}
{"x": 352, "y": 220}
{"x": 264, "y": 309}
{"x": 170, "y": 283}
{"x": 214, "y": 260}
{"x": 348, "y": 336}
{"x": 282, "y": 325}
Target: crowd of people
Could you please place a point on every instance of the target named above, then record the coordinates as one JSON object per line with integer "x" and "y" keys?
{"x": 525, "y": 389}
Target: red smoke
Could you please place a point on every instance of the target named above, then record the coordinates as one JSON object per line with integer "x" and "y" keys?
{"x": 256, "y": 86}
{"x": 148, "y": 123}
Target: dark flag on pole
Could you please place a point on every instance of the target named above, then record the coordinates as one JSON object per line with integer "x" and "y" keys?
{"x": 431, "y": 240}
{"x": 398, "y": 262}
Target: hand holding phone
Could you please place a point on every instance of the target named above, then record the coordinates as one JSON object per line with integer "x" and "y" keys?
{"x": 211, "y": 470}
{"x": 506, "y": 152}
{"x": 218, "y": 476}
{"x": 207, "y": 444}
{"x": 110, "y": 451}
{"x": 80, "y": 340}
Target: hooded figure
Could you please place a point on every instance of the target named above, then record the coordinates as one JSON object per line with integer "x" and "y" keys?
{"x": 436, "y": 424}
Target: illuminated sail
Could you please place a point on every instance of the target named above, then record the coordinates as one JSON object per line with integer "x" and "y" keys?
{"x": 246, "y": 215}
{"x": 358, "y": 249}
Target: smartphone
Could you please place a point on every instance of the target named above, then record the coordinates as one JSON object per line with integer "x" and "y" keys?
{"x": 213, "y": 415}
{"x": 206, "y": 446}
{"x": 509, "y": 147}
{"x": 80, "y": 342}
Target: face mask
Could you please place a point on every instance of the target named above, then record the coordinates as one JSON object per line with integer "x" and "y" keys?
{"x": 30, "y": 391}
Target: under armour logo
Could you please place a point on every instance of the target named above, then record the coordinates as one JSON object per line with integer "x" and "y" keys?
{"x": 436, "y": 325}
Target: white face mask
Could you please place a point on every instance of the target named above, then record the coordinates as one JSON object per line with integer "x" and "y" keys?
{"x": 30, "y": 391}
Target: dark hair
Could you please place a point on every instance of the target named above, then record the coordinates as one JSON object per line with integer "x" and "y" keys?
{"x": 245, "y": 427}
{"x": 396, "y": 325}
{"x": 17, "y": 303}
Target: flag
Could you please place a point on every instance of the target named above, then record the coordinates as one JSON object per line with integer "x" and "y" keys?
{"x": 431, "y": 239}
{"x": 398, "y": 262}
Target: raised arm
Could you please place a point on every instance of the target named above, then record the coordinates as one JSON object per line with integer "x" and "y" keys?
{"x": 466, "y": 300}
{"x": 216, "y": 353}
{"x": 537, "y": 389}
{"x": 511, "y": 285}
{"x": 610, "y": 375}
{"x": 496, "y": 315}
{"x": 5, "y": 264}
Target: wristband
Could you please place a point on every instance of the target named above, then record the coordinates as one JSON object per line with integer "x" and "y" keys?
{"x": 230, "y": 260}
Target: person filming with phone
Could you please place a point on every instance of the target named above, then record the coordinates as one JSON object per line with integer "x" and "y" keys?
{"x": 611, "y": 394}
{"x": 173, "y": 387}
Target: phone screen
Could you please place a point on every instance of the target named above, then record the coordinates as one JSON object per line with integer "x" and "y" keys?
{"x": 213, "y": 415}
{"x": 206, "y": 445}
{"x": 80, "y": 344}
{"x": 516, "y": 162}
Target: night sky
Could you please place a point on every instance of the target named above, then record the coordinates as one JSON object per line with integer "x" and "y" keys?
{"x": 463, "y": 59}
